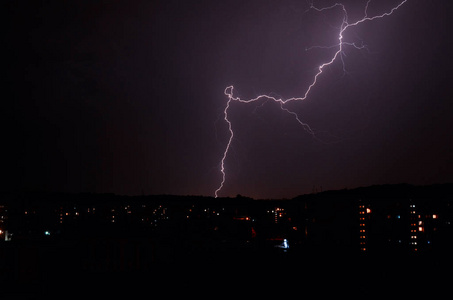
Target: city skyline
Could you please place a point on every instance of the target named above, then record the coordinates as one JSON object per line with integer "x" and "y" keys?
{"x": 52, "y": 243}
{"x": 383, "y": 218}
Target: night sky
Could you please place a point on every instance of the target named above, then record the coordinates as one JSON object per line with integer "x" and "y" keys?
{"x": 128, "y": 97}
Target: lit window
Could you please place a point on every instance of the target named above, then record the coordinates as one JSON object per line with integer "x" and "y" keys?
{"x": 420, "y": 228}
{"x": 435, "y": 216}
{"x": 368, "y": 211}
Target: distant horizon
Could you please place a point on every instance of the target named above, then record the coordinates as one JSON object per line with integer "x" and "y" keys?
{"x": 37, "y": 191}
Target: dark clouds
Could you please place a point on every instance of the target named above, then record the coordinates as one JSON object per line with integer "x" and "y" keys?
{"x": 128, "y": 97}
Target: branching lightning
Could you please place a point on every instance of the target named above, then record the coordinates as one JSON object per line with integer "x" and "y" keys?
{"x": 339, "y": 54}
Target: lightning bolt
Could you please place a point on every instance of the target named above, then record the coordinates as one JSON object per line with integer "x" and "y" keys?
{"x": 345, "y": 25}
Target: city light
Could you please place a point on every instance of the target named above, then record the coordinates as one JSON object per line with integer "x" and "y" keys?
{"x": 238, "y": 225}
{"x": 283, "y": 245}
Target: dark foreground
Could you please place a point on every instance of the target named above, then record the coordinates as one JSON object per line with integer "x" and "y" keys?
{"x": 386, "y": 241}
{"x": 63, "y": 270}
